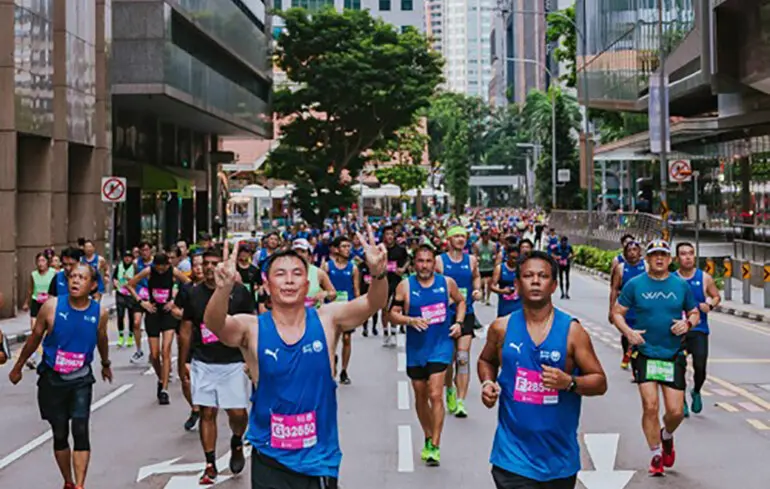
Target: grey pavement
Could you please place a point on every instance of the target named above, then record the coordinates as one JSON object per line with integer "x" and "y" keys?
{"x": 724, "y": 446}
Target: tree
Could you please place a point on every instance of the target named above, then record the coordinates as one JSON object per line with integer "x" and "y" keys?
{"x": 562, "y": 32}
{"x": 357, "y": 81}
{"x": 406, "y": 176}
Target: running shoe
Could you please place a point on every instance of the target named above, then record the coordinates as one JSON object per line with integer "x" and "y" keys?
{"x": 192, "y": 421}
{"x": 626, "y": 360}
{"x": 130, "y": 341}
{"x": 460, "y": 411}
{"x": 426, "y": 450}
{"x": 451, "y": 400}
{"x": 669, "y": 454}
{"x": 163, "y": 399}
{"x": 137, "y": 357}
{"x": 237, "y": 460}
{"x": 121, "y": 341}
{"x": 697, "y": 402}
{"x": 209, "y": 476}
{"x": 686, "y": 409}
{"x": 69, "y": 485}
{"x": 158, "y": 389}
{"x": 344, "y": 378}
{"x": 656, "y": 466}
{"x": 434, "y": 456}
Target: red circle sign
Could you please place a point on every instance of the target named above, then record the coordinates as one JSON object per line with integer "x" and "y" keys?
{"x": 680, "y": 170}
{"x": 113, "y": 189}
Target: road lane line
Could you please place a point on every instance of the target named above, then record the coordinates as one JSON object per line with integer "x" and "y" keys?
{"x": 724, "y": 392}
{"x": 751, "y": 407}
{"x": 727, "y": 407}
{"x": 740, "y": 391}
{"x": 758, "y": 424}
{"x": 739, "y": 360}
{"x": 403, "y": 395}
{"x": 405, "y": 456}
{"x": 401, "y": 341}
{"x": 401, "y": 361}
{"x": 13, "y": 457}
{"x": 705, "y": 393}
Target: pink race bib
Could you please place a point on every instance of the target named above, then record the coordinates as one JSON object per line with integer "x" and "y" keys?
{"x": 124, "y": 291}
{"x": 67, "y": 362}
{"x": 511, "y": 297}
{"x": 435, "y": 313}
{"x": 392, "y": 265}
{"x": 529, "y": 388}
{"x": 161, "y": 295}
{"x": 143, "y": 294}
{"x": 367, "y": 279}
{"x": 309, "y": 301}
{"x": 42, "y": 297}
{"x": 207, "y": 335}
{"x": 563, "y": 262}
{"x": 293, "y": 432}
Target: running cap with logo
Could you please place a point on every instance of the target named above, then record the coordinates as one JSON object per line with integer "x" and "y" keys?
{"x": 456, "y": 231}
{"x": 302, "y": 244}
{"x": 658, "y": 245}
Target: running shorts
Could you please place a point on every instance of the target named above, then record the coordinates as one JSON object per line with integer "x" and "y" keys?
{"x": 219, "y": 385}
{"x": 508, "y": 480}
{"x": 486, "y": 273}
{"x": 34, "y": 308}
{"x": 62, "y": 401}
{"x": 669, "y": 373}
{"x": 267, "y": 473}
{"x": 425, "y": 371}
{"x": 155, "y": 324}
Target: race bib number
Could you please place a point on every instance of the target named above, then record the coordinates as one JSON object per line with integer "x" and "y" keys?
{"x": 207, "y": 335}
{"x": 529, "y": 388}
{"x": 434, "y": 314}
{"x": 124, "y": 291}
{"x": 660, "y": 370}
{"x": 42, "y": 297}
{"x": 511, "y": 297}
{"x": 68, "y": 362}
{"x": 143, "y": 294}
{"x": 392, "y": 266}
{"x": 309, "y": 301}
{"x": 342, "y": 296}
{"x": 161, "y": 295}
{"x": 293, "y": 432}
{"x": 367, "y": 279}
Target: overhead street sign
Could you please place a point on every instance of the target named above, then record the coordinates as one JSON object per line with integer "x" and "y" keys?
{"x": 563, "y": 176}
{"x": 679, "y": 171}
{"x": 113, "y": 189}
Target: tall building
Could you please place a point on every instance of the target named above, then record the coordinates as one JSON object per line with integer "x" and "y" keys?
{"x": 54, "y": 131}
{"x": 525, "y": 40}
{"x": 434, "y": 23}
{"x": 400, "y": 13}
{"x": 467, "y": 26}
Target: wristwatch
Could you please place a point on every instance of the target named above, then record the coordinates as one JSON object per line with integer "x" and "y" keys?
{"x": 106, "y": 364}
{"x": 572, "y": 387}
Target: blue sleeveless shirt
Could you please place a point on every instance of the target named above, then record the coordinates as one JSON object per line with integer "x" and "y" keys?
{"x": 142, "y": 288}
{"x": 696, "y": 283}
{"x": 536, "y": 434}
{"x": 293, "y": 418}
{"x": 94, "y": 263}
{"x": 71, "y": 344}
{"x": 507, "y": 304}
{"x": 462, "y": 273}
{"x": 629, "y": 272}
{"x": 433, "y": 345}
{"x": 342, "y": 280}
{"x": 62, "y": 284}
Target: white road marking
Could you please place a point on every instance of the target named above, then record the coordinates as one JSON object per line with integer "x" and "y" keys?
{"x": 401, "y": 341}
{"x": 191, "y": 482}
{"x": 403, "y": 395}
{"x": 603, "y": 449}
{"x": 405, "y": 456}
{"x": 401, "y": 361}
{"x": 13, "y": 457}
{"x": 168, "y": 467}
{"x": 151, "y": 371}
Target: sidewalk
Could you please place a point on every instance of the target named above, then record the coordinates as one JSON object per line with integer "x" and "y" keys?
{"x": 754, "y": 311}
{"x": 17, "y": 329}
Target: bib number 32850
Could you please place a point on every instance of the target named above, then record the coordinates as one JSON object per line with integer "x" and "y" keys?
{"x": 660, "y": 370}
{"x": 293, "y": 432}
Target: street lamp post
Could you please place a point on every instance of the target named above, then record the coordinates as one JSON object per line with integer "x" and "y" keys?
{"x": 553, "y": 124}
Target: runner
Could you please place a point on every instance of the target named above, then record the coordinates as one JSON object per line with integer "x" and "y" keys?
{"x": 539, "y": 362}
{"x": 485, "y": 251}
{"x": 159, "y": 321}
{"x": 289, "y": 351}
{"x": 398, "y": 263}
{"x": 321, "y": 289}
{"x": 696, "y": 342}
{"x": 563, "y": 254}
{"x": 631, "y": 266}
{"x": 525, "y": 247}
{"x": 219, "y": 380}
{"x": 98, "y": 263}
{"x": 37, "y": 294}
{"x": 364, "y": 279}
{"x": 344, "y": 277}
{"x": 73, "y": 325}
{"x": 124, "y": 302}
{"x": 504, "y": 283}
{"x": 251, "y": 276}
{"x": 658, "y": 299}
{"x": 620, "y": 258}
{"x": 144, "y": 260}
{"x": 271, "y": 243}
{"x": 423, "y": 302}
{"x": 60, "y": 284}
{"x": 464, "y": 270}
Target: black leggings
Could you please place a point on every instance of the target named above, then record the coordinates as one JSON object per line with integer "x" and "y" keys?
{"x": 80, "y": 434}
{"x": 697, "y": 345}
{"x": 564, "y": 278}
{"x": 123, "y": 306}
{"x": 624, "y": 343}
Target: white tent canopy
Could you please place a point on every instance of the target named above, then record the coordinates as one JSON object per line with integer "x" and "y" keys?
{"x": 255, "y": 192}
{"x": 389, "y": 190}
{"x": 426, "y": 192}
{"x": 282, "y": 191}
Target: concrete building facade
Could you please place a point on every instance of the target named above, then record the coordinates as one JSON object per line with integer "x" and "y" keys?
{"x": 434, "y": 23}
{"x": 400, "y": 13}
{"x": 54, "y": 131}
{"x": 467, "y": 26}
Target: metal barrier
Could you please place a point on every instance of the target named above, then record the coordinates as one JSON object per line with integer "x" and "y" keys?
{"x": 606, "y": 227}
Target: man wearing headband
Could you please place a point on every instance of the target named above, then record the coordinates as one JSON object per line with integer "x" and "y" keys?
{"x": 463, "y": 269}
{"x": 659, "y": 300}
{"x": 631, "y": 266}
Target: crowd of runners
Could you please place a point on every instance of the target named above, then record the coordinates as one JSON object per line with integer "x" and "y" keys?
{"x": 263, "y": 327}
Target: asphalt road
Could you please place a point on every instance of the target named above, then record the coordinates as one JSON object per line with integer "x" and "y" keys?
{"x": 726, "y": 445}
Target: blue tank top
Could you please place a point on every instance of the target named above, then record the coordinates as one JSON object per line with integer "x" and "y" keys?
{"x": 94, "y": 263}
{"x": 342, "y": 280}
{"x": 629, "y": 272}
{"x": 144, "y": 283}
{"x": 293, "y": 418}
{"x": 507, "y": 304}
{"x": 535, "y": 423}
{"x": 433, "y": 345}
{"x": 621, "y": 258}
{"x": 553, "y": 242}
{"x": 462, "y": 273}
{"x": 263, "y": 259}
{"x": 62, "y": 284}
{"x": 696, "y": 283}
{"x": 70, "y": 345}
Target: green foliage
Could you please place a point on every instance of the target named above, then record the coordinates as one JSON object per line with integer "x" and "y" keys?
{"x": 406, "y": 176}
{"x": 617, "y": 125}
{"x": 357, "y": 81}
{"x": 595, "y": 258}
{"x": 561, "y": 31}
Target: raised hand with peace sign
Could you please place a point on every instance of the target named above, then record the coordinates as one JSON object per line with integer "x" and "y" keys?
{"x": 226, "y": 274}
{"x": 376, "y": 254}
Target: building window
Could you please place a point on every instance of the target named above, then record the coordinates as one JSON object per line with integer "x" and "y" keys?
{"x": 278, "y": 4}
{"x": 353, "y": 4}
{"x": 407, "y": 5}
{"x": 384, "y": 5}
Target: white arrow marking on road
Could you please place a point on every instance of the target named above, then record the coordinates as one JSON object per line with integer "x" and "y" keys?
{"x": 401, "y": 341}
{"x": 11, "y": 458}
{"x": 191, "y": 482}
{"x": 168, "y": 467}
{"x": 603, "y": 449}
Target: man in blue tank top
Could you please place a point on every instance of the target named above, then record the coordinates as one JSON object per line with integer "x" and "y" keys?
{"x": 422, "y": 302}
{"x": 144, "y": 260}
{"x": 620, "y": 258}
{"x": 631, "y": 266}
{"x": 463, "y": 268}
{"x": 696, "y": 342}
{"x": 98, "y": 263}
{"x": 344, "y": 276}
{"x": 71, "y": 327}
{"x": 289, "y": 351}
{"x": 658, "y": 299}
{"x": 538, "y": 362}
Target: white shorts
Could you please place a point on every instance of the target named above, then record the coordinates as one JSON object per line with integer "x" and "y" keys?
{"x": 224, "y": 386}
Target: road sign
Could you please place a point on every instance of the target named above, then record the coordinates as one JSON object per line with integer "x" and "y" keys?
{"x": 603, "y": 449}
{"x": 767, "y": 273}
{"x": 728, "y": 268}
{"x": 746, "y": 270}
{"x": 679, "y": 171}
{"x": 710, "y": 267}
{"x": 654, "y": 118}
{"x": 113, "y": 189}
{"x": 563, "y": 176}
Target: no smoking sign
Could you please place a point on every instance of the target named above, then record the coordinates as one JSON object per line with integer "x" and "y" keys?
{"x": 679, "y": 171}
{"x": 113, "y": 189}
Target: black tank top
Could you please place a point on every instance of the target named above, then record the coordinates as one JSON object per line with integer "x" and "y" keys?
{"x": 160, "y": 286}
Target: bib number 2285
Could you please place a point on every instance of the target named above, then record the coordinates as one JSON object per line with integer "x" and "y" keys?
{"x": 660, "y": 370}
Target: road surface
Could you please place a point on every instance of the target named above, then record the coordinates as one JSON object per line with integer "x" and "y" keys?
{"x": 725, "y": 446}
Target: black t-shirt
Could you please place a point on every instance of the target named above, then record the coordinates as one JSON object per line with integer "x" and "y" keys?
{"x": 204, "y": 346}
{"x": 399, "y": 255}
{"x": 252, "y": 280}
{"x": 182, "y": 299}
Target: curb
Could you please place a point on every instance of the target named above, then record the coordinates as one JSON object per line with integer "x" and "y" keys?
{"x": 22, "y": 337}
{"x": 730, "y": 311}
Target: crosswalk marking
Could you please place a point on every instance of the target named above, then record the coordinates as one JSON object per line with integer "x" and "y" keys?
{"x": 724, "y": 392}
{"x": 751, "y": 407}
{"x": 727, "y": 407}
{"x": 758, "y": 424}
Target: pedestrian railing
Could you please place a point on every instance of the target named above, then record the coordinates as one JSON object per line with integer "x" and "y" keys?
{"x": 606, "y": 226}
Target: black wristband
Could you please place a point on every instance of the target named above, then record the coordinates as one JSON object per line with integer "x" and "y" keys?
{"x": 106, "y": 363}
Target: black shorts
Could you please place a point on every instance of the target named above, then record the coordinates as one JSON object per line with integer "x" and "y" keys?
{"x": 34, "y": 308}
{"x": 468, "y": 325}
{"x": 126, "y": 301}
{"x": 155, "y": 324}
{"x": 60, "y": 401}
{"x": 392, "y": 286}
{"x": 640, "y": 366}
{"x": 266, "y": 473}
{"x": 424, "y": 372}
{"x": 508, "y": 480}
{"x": 486, "y": 273}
